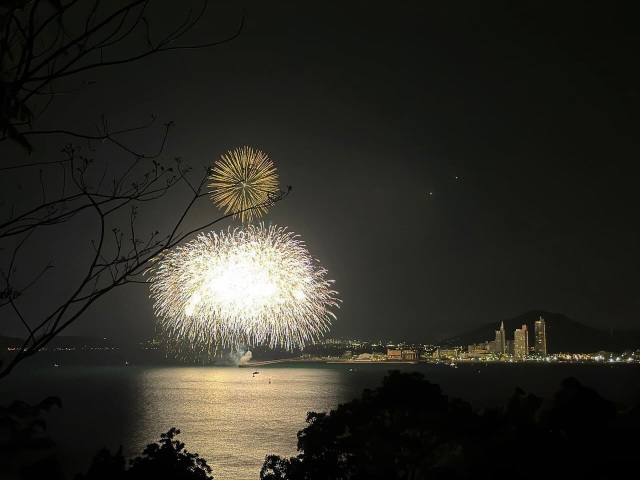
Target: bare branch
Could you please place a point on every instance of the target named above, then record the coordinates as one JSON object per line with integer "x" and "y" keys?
{"x": 37, "y": 50}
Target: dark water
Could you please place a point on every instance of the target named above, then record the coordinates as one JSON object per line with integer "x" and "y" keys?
{"x": 234, "y": 419}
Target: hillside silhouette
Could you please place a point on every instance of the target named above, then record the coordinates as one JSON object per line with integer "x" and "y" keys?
{"x": 563, "y": 334}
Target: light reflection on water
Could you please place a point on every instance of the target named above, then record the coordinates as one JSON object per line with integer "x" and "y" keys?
{"x": 231, "y": 417}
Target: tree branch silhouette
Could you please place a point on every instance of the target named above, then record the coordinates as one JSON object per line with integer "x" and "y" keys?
{"x": 42, "y": 42}
{"x": 32, "y": 60}
{"x": 118, "y": 258}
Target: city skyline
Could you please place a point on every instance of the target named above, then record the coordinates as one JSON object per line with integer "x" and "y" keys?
{"x": 513, "y": 346}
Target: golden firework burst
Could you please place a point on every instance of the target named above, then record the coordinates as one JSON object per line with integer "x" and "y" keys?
{"x": 243, "y": 182}
{"x": 249, "y": 286}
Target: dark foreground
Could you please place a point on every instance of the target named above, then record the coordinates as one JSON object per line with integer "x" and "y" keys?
{"x": 405, "y": 429}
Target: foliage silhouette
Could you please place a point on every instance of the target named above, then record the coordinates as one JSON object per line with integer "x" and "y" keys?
{"x": 23, "y": 438}
{"x": 26, "y": 452}
{"x": 105, "y": 466}
{"x": 407, "y": 429}
{"x": 166, "y": 458}
{"x": 169, "y": 459}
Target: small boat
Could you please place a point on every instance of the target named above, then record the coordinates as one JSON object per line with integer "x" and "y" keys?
{"x": 352, "y": 369}
{"x": 56, "y": 365}
{"x": 256, "y": 372}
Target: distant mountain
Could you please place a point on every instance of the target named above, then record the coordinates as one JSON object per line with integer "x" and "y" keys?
{"x": 80, "y": 342}
{"x": 59, "y": 342}
{"x": 563, "y": 334}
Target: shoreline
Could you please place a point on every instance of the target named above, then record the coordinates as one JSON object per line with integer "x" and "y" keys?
{"x": 450, "y": 363}
{"x": 344, "y": 362}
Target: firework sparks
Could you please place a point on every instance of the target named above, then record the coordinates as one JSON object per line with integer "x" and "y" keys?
{"x": 242, "y": 181}
{"x": 256, "y": 285}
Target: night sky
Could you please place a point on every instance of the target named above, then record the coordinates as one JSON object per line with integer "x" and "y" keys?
{"x": 453, "y": 163}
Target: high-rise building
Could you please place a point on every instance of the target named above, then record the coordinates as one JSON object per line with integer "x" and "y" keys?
{"x": 501, "y": 340}
{"x": 521, "y": 338}
{"x": 511, "y": 347}
{"x": 541, "y": 338}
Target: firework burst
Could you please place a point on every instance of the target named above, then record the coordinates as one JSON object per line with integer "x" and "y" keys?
{"x": 242, "y": 182}
{"x": 250, "y": 286}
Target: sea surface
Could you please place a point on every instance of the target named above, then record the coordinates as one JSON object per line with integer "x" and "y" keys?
{"x": 233, "y": 418}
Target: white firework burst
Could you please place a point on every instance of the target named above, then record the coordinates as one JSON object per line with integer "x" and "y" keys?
{"x": 249, "y": 286}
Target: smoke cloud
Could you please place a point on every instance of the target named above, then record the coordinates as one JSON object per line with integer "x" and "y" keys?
{"x": 241, "y": 356}
{"x": 246, "y": 357}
